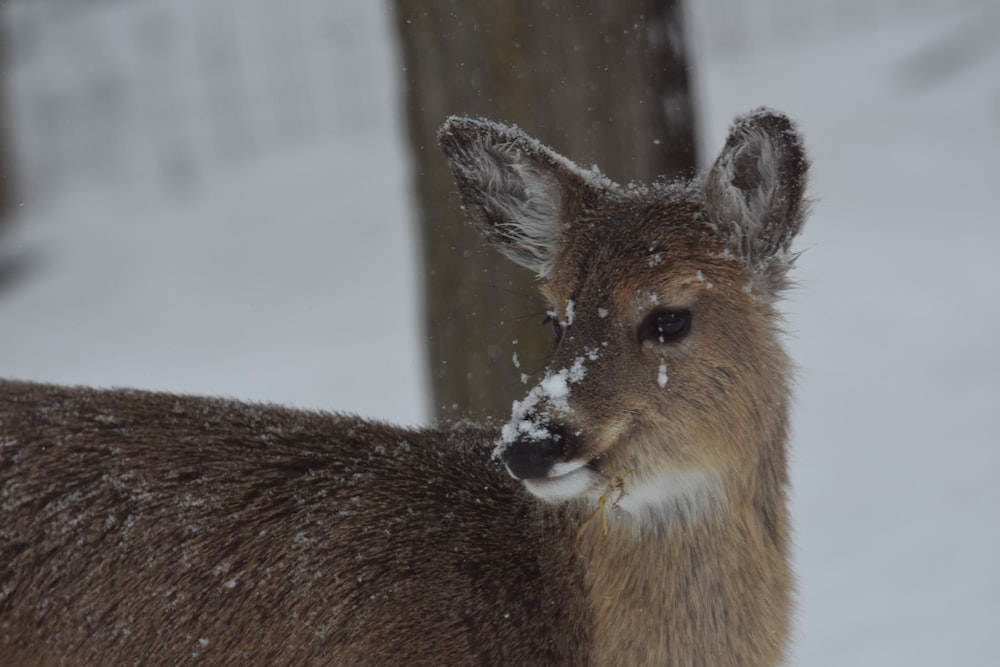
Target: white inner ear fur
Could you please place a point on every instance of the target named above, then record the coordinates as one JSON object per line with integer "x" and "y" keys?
{"x": 747, "y": 216}
{"x": 748, "y": 210}
{"x": 526, "y": 204}
{"x": 531, "y": 220}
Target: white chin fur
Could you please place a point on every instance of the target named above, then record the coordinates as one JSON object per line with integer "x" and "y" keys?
{"x": 565, "y": 468}
{"x": 563, "y": 487}
{"x": 659, "y": 502}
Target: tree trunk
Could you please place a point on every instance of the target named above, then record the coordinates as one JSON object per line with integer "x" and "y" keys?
{"x": 603, "y": 83}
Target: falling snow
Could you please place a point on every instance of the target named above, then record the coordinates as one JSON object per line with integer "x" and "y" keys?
{"x": 881, "y": 217}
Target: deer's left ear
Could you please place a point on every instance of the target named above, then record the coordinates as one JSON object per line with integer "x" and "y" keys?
{"x": 754, "y": 195}
{"x": 518, "y": 193}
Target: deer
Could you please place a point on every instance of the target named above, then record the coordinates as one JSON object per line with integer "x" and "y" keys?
{"x": 631, "y": 511}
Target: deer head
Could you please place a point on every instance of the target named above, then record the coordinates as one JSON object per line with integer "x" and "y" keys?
{"x": 668, "y": 385}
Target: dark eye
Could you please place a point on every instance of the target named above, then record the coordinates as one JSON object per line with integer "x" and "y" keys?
{"x": 665, "y": 326}
{"x": 557, "y": 328}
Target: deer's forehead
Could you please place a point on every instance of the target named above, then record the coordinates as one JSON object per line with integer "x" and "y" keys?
{"x": 631, "y": 231}
{"x": 634, "y": 250}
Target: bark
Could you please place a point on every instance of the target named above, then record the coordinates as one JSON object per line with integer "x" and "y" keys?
{"x": 603, "y": 83}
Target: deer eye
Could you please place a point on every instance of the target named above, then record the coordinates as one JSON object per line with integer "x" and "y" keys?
{"x": 665, "y": 326}
{"x": 557, "y": 328}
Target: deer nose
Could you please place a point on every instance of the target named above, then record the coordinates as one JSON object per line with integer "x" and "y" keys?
{"x": 531, "y": 459}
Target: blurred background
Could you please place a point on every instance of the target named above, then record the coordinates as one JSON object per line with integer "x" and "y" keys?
{"x": 243, "y": 197}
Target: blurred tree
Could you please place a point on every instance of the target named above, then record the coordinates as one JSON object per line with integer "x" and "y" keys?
{"x": 6, "y": 161}
{"x": 602, "y": 82}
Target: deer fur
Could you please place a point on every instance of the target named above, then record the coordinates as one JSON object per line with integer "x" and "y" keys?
{"x": 631, "y": 512}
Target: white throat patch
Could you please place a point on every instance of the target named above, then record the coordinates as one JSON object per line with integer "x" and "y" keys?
{"x": 671, "y": 498}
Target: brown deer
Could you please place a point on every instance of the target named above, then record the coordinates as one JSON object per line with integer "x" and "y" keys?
{"x": 631, "y": 512}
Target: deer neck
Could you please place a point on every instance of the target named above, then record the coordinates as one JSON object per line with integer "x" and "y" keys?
{"x": 717, "y": 592}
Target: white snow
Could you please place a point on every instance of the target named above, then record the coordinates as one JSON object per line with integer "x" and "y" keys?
{"x": 291, "y": 278}
{"x": 549, "y": 398}
{"x": 661, "y": 374}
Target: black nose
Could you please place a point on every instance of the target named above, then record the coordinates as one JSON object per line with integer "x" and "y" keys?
{"x": 531, "y": 459}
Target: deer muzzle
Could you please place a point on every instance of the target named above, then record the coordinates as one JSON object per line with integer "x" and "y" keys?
{"x": 534, "y": 458}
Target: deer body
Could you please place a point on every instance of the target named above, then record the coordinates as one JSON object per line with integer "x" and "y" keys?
{"x": 631, "y": 511}
{"x": 168, "y": 528}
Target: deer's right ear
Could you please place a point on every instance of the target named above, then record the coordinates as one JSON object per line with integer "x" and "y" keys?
{"x": 518, "y": 193}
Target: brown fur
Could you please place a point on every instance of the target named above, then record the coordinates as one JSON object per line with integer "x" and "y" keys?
{"x": 148, "y": 529}
{"x": 152, "y": 529}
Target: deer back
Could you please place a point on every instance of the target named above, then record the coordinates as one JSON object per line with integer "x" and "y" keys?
{"x": 144, "y": 528}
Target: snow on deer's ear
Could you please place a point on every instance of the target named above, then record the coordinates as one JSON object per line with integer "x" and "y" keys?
{"x": 518, "y": 193}
{"x": 754, "y": 195}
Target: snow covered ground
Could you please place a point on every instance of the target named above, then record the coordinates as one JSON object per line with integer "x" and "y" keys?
{"x": 896, "y": 327}
{"x": 286, "y": 276}
{"x": 292, "y": 279}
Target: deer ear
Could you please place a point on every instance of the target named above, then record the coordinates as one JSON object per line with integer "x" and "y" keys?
{"x": 515, "y": 191}
{"x": 754, "y": 195}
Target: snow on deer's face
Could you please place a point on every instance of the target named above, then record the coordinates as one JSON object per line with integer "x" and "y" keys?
{"x": 664, "y": 301}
